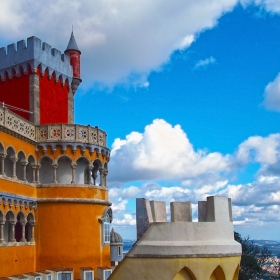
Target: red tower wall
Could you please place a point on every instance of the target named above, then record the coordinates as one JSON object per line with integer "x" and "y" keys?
{"x": 53, "y": 101}
{"x": 15, "y": 92}
{"x": 75, "y": 63}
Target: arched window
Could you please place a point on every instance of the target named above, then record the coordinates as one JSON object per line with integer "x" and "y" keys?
{"x": 29, "y": 228}
{"x": 18, "y": 227}
{"x": 106, "y": 220}
{"x": 106, "y": 229}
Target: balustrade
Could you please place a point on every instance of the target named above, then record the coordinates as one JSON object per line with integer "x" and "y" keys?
{"x": 51, "y": 133}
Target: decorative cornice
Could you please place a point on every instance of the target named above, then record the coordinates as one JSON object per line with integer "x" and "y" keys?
{"x": 22, "y": 201}
{"x": 74, "y": 200}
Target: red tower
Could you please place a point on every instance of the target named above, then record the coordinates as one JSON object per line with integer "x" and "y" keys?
{"x": 40, "y": 80}
{"x": 74, "y": 53}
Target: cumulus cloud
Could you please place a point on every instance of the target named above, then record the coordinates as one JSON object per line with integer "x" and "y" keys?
{"x": 127, "y": 219}
{"x": 203, "y": 63}
{"x": 272, "y": 95}
{"x": 264, "y": 150}
{"x": 162, "y": 151}
{"x": 121, "y": 41}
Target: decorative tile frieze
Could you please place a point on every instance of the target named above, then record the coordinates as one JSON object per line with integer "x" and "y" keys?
{"x": 68, "y": 133}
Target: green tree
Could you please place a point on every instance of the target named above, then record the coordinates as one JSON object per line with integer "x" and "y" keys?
{"x": 253, "y": 258}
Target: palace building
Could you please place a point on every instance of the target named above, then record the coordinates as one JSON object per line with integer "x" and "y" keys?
{"x": 54, "y": 210}
{"x": 55, "y": 214}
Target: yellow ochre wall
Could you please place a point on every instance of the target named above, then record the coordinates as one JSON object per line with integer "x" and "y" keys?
{"x": 69, "y": 235}
{"x": 17, "y": 144}
{"x": 17, "y": 260}
{"x": 223, "y": 268}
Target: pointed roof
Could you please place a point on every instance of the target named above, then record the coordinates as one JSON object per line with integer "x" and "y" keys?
{"x": 72, "y": 45}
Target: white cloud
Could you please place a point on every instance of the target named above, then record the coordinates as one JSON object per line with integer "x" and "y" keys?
{"x": 121, "y": 41}
{"x": 203, "y": 63}
{"x": 193, "y": 175}
{"x": 127, "y": 219}
{"x": 119, "y": 205}
{"x": 272, "y": 95}
{"x": 161, "y": 152}
{"x": 264, "y": 150}
{"x": 269, "y": 5}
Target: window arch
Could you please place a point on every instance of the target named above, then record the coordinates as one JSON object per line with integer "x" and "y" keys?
{"x": 218, "y": 274}
{"x": 9, "y": 235}
{"x": 46, "y": 171}
{"x": 19, "y": 166}
{"x": 8, "y": 166}
{"x": 19, "y": 227}
{"x": 29, "y": 228}
{"x": 185, "y": 273}
{"x": 106, "y": 220}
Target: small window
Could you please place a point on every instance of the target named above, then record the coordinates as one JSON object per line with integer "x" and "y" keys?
{"x": 37, "y": 278}
{"x": 88, "y": 275}
{"x": 119, "y": 250}
{"x": 49, "y": 277}
{"x": 106, "y": 229}
{"x": 107, "y": 273}
{"x": 64, "y": 276}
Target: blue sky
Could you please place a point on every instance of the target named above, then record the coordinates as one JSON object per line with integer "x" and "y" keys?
{"x": 188, "y": 94}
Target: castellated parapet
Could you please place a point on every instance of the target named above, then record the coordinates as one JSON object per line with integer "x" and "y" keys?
{"x": 212, "y": 235}
{"x": 182, "y": 249}
{"x": 33, "y": 54}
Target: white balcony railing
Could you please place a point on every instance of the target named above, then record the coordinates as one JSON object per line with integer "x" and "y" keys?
{"x": 53, "y": 132}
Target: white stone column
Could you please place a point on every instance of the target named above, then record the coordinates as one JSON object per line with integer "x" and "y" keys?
{"x": 2, "y": 223}
{"x": 94, "y": 176}
{"x": 24, "y": 164}
{"x": 90, "y": 167}
{"x": 32, "y": 231}
{"x": 101, "y": 170}
{"x": 23, "y": 223}
{"x": 55, "y": 166}
{"x": 105, "y": 173}
{"x": 14, "y": 160}
{"x": 3, "y": 156}
{"x": 33, "y": 173}
{"x": 73, "y": 166}
{"x": 12, "y": 233}
{"x": 38, "y": 173}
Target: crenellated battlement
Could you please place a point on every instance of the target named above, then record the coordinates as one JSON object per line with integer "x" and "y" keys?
{"x": 215, "y": 209}
{"x": 34, "y": 54}
{"x": 213, "y": 234}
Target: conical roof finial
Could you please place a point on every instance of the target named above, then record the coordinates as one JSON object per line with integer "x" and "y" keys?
{"x": 72, "y": 45}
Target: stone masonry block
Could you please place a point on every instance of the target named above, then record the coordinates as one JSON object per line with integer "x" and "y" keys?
{"x": 158, "y": 211}
{"x": 143, "y": 216}
{"x": 181, "y": 211}
{"x": 202, "y": 211}
{"x": 218, "y": 209}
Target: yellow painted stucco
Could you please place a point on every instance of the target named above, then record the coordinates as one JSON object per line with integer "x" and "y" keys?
{"x": 17, "y": 259}
{"x": 73, "y": 230}
{"x": 67, "y": 234}
{"x": 220, "y": 268}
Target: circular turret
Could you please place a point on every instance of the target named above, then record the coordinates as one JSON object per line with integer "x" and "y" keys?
{"x": 115, "y": 237}
{"x": 74, "y": 53}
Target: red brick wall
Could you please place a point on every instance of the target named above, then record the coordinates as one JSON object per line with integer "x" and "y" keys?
{"x": 53, "y": 101}
{"x": 15, "y": 92}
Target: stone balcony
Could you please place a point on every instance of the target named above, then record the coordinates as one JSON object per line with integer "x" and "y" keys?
{"x": 54, "y": 134}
